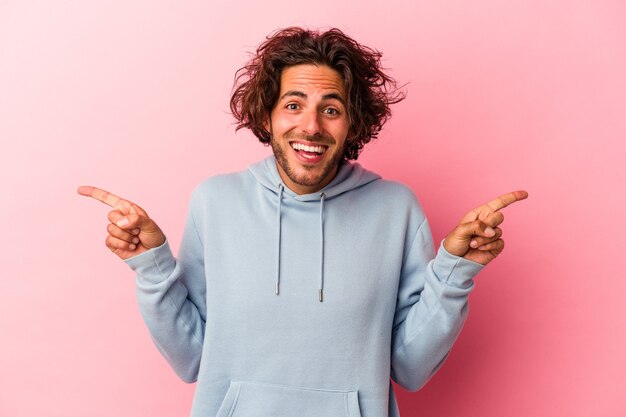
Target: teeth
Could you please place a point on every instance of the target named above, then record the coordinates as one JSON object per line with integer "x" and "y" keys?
{"x": 306, "y": 148}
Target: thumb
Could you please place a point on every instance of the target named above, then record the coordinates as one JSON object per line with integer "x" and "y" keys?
{"x": 466, "y": 231}
{"x": 476, "y": 228}
{"x": 132, "y": 221}
{"x": 136, "y": 221}
{"x": 142, "y": 226}
{"x": 458, "y": 241}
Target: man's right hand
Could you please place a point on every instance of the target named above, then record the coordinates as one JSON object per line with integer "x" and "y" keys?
{"x": 131, "y": 232}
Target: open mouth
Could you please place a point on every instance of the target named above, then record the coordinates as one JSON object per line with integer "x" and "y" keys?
{"x": 309, "y": 152}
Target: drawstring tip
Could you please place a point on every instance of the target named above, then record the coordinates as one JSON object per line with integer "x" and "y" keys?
{"x": 321, "y": 295}
{"x": 277, "y": 288}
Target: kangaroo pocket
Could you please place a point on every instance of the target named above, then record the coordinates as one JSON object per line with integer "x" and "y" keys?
{"x": 250, "y": 399}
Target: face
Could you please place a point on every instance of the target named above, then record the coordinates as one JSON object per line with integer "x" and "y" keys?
{"x": 309, "y": 125}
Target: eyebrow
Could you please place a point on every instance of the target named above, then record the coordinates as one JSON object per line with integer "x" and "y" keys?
{"x": 329, "y": 96}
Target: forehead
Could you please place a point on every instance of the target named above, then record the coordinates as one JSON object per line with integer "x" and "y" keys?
{"x": 310, "y": 78}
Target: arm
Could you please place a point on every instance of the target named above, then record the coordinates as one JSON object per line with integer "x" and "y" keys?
{"x": 430, "y": 311}
{"x": 170, "y": 292}
{"x": 433, "y": 293}
{"x": 171, "y": 299}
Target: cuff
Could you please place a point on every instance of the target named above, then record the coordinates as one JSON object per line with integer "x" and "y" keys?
{"x": 455, "y": 270}
{"x": 155, "y": 264}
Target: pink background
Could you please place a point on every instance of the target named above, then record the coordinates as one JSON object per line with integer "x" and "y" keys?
{"x": 133, "y": 97}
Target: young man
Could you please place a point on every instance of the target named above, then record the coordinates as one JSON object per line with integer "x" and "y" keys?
{"x": 304, "y": 283}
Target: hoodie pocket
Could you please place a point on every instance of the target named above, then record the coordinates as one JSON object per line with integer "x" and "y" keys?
{"x": 250, "y": 399}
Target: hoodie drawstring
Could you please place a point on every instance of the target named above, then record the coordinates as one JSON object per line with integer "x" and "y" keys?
{"x": 321, "y": 289}
{"x": 278, "y": 240}
{"x": 280, "y": 202}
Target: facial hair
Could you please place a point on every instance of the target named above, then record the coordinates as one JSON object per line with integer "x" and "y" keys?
{"x": 300, "y": 179}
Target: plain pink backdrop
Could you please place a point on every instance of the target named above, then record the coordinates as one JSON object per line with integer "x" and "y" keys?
{"x": 133, "y": 97}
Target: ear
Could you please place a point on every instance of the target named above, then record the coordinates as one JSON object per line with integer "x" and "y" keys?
{"x": 267, "y": 125}
{"x": 351, "y": 135}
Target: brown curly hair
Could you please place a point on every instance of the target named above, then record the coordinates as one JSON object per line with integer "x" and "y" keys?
{"x": 370, "y": 91}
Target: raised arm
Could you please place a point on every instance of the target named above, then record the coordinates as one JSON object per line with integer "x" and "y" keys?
{"x": 170, "y": 292}
{"x": 433, "y": 294}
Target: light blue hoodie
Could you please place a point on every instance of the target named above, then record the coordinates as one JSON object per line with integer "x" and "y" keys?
{"x": 286, "y": 305}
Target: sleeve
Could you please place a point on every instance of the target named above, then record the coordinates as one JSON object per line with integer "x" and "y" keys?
{"x": 172, "y": 301}
{"x": 430, "y": 311}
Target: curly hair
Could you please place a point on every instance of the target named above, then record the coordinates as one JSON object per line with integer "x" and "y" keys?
{"x": 370, "y": 91}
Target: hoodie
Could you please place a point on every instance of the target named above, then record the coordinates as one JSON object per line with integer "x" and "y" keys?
{"x": 288, "y": 305}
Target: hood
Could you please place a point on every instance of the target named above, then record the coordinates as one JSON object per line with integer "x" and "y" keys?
{"x": 349, "y": 176}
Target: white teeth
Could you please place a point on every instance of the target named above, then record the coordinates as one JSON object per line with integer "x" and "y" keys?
{"x": 302, "y": 147}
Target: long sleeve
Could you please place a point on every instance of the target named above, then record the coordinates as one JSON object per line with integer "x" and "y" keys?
{"x": 171, "y": 299}
{"x": 431, "y": 309}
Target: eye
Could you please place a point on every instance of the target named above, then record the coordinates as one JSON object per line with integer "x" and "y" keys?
{"x": 292, "y": 106}
{"x": 331, "y": 111}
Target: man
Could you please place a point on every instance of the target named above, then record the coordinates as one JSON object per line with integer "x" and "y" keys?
{"x": 304, "y": 283}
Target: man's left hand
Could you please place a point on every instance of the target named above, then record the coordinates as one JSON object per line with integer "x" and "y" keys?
{"x": 478, "y": 237}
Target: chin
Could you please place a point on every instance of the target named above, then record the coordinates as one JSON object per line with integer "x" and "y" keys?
{"x": 306, "y": 176}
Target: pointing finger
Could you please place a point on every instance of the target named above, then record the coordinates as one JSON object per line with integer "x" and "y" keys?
{"x": 486, "y": 210}
{"x": 110, "y": 199}
{"x": 507, "y": 199}
{"x": 104, "y": 196}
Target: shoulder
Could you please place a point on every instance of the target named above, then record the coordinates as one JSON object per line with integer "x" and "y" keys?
{"x": 391, "y": 200}
{"x": 373, "y": 184}
{"x": 394, "y": 189}
{"x": 396, "y": 192}
{"x": 222, "y": 182}
{"x": 222, "y": 187}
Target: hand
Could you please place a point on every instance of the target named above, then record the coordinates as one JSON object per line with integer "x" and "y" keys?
{"x": 131, "y": 231}
{"x": 478, "y": 237}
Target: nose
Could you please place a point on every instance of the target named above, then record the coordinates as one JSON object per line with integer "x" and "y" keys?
{"x": 311, "y": 123}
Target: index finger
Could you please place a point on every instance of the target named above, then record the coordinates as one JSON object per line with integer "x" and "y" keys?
{"x": 507, "y": 199}
{"x": 104, "y": 196}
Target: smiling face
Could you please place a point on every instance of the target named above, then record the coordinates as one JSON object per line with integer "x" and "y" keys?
{"x": 308, "y": 126}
